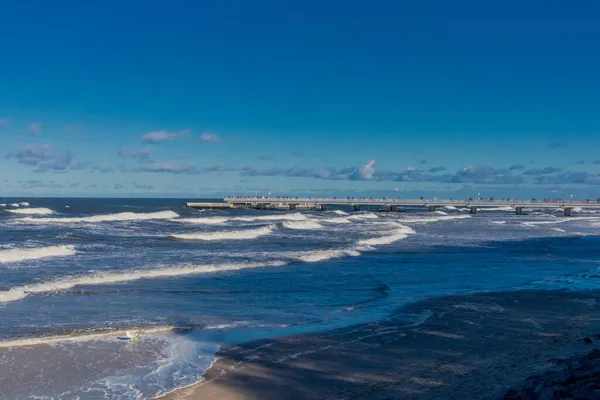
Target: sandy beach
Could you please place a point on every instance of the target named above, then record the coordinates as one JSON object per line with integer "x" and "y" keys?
{"x": 471, "y": 347}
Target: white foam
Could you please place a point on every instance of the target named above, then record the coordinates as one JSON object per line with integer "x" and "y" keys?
{"x": 33, "y": 211}
{"x": 499, "y": 222}
{"x": 559, "y": 230}
{"x": 24, "y": 204}
{"x": 436, "y": 219}
{"x": 364, "y": 216}
{"x": 124, "y": 216}
{"x": 302, "y": 225}
{"x": 224, "y": 220}
{"x": 339, "y": 212}
{"x": 83, "y": 336}
{"x": 394, "y": 235}
{"x": 440, "y": 212}
{"x": 449, "y": 208}
{"x": 203, "y": 221}
{"x": 15, "y": 205}
{"x": 22, "y": 254}
{"x": 336, "y": 220}
{"x": 321, "y": 255}
{"x": 19, "y": 292}
{"x": 282, "y": 217}
{"x": 226, "y": 235}
{"x": 3, "y": 205}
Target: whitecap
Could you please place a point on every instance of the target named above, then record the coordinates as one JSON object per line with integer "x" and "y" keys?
{"x": 225, "y": 235}
{"x": 24, "y": 204}
{"x": 336, "y": 220}
{"x": 15, "y": 205}
{"x": 202, "y": 221}
{"x": 32, "y": 211}
{"x": 364, "y": 216}
{"x": 19, "y": 292}
{"x": 22, "y": 254}
{"x": 124, "y": 216}
{"x": 394, "y": 235}
{"x": 302, "y": 225}
{"x": 322, "y": 255}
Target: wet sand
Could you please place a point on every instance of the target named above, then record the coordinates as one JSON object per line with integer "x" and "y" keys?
{"x": 471, "y": 347}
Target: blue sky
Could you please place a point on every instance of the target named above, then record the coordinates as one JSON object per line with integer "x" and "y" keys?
{"x": 202, "y": 98}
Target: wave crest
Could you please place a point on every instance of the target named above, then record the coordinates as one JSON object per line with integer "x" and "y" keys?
{"x": 32, "y": 211}
{"x": 124, "y": 216}
{"x": 21, "y": 292}
{"x": 321, "y": 255}
{"x": 22, "y": 254}
{"x": 302, "y": 225}
{"x": 399, "y": 233}
{"x": 226, "y": 235}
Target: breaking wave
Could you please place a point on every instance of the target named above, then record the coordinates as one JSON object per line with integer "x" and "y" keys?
{"x": 339, "y": 212}
{"x": 124, "y": 216}
{"x": 21, "y": 292}
{"x": 202, "y": 221}
{"x": 16, "y": 255}
{"x": 24, "y": 204}
{"x": 399, "y": 233}
{"x": 364, "y": 216}
{"x": 32, "y": 211}
{"x": 303, "y": 225}
{"x": 436, "y": 219}
{"x": 336, "y": 220}
{"x": 321, "y": 255}
{"x": 226, "y": 235}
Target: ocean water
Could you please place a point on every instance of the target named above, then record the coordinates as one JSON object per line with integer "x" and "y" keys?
{"x": 132, "y": 298}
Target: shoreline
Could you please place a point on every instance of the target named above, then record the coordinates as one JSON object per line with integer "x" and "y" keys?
{"x": 472, "y": 346}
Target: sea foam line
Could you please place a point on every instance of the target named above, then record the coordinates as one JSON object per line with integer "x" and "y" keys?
{"x": 32, "y": 211}
{"x": 22, "y": 254}
{"x": 226, "y": 235}
{"x": 84, "y": 336}
{"x": 21, "y": 292}
{"x": 322, "y": 255}
{"x": 124, "y": 216}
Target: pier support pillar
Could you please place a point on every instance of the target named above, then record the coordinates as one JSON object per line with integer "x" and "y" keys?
{"x": 519, "y": 210}
{"x": 260, "y": 206}
{"x": 323, "y": 207}
{"x": 473, "y": 210}
{"x": 568, "y": 211}
{"x": 356, "y": 207}
{"x": 433, "y": 208}
{"x": 393, "y": 208}
{"x": 292, "y": 206}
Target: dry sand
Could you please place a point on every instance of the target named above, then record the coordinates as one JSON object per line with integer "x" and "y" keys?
{"x": 472, "y": 347}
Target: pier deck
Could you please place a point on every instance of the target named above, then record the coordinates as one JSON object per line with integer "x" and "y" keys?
{"x": 392, "y": 204}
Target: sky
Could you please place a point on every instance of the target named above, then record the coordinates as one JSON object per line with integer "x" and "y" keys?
{"x": 210, "y": 98}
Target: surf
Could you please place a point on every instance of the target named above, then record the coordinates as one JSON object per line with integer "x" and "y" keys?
{"x": 124, "y": 216}
{"x": 20, "y": 292}
{"x": 244, "y": 234}
{"x": 35, "y": 253}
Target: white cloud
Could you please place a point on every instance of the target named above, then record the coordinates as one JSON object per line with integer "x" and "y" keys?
{"x": 163, "y": 136}
{"x": 210, "y": 137}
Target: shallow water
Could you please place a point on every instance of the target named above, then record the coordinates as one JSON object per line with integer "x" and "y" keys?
{"x": 124, "y": 298}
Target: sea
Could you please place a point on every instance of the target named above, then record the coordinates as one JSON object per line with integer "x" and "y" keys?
{"x": 133, "y": 298}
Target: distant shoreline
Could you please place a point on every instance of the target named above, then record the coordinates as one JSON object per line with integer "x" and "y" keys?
{"x": 472, "y": 346}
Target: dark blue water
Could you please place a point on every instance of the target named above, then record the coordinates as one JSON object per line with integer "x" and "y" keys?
{"x": 131, "y": 298}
